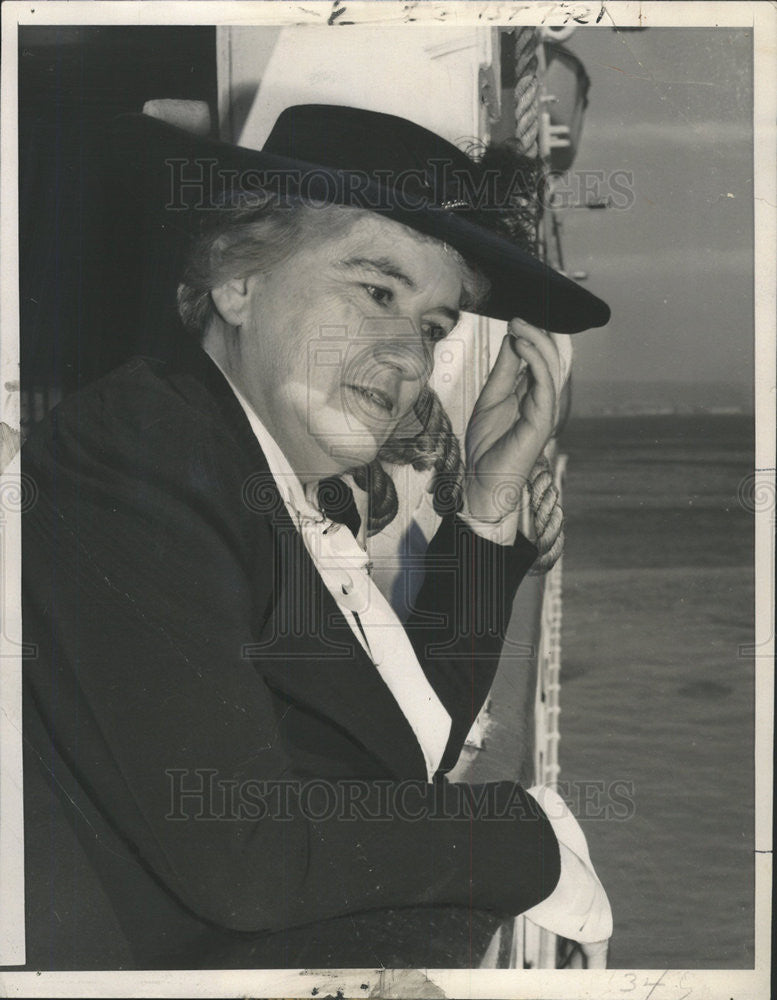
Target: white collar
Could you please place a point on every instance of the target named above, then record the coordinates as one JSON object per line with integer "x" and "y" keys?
{"x": 342, "y": 564}
{"x": 302, "y": 499}
{"x": 286, "y": 478}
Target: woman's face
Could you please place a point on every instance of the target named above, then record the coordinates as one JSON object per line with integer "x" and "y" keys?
{"x": 336, "y": 342}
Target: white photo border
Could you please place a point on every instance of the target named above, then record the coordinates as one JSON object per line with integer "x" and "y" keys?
{"x": 675, "y": 984}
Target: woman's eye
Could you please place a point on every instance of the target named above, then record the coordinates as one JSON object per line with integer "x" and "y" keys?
{"x": 383, "y": 296}
{"x": 435, "y": 332}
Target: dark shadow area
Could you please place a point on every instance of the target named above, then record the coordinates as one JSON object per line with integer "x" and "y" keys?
{"x": 89, "y": 273}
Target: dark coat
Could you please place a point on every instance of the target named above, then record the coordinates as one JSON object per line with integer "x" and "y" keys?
{"x": 183, "y": 639}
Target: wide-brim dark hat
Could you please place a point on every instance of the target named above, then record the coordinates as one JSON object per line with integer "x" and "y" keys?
{"x": 350, "y": 156}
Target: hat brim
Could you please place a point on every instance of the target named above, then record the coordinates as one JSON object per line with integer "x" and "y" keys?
{"x": 152, "y": 155}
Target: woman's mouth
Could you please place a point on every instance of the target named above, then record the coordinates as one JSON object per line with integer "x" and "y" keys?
{"x": 375, "y": 398}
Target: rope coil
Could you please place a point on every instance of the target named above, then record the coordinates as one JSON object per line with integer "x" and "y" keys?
{"x": 548, "y": 517}
{"x": 543, "y": 495}
{"x": 526, "y": 92}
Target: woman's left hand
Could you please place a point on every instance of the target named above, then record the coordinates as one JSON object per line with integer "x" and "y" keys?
{"x": 511, "y": 423}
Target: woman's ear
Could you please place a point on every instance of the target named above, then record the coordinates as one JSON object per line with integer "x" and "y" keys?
{"x": 232, "y": 300}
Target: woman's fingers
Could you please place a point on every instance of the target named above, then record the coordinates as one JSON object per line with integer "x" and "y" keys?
{"x": 543, "y": 392}
{"x": 544, "y": 361}
{"x": 513, "y": 417}
{"x": 541, "y": 340}
{"x": 502, "y": 378}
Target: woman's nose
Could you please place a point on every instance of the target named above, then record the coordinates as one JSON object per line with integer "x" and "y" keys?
{"x": 399, "y": 344}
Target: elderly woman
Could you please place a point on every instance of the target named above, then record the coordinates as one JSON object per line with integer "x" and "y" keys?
{"x": 236, "y": 754}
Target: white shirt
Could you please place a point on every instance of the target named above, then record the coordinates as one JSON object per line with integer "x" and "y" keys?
{"x": 578, "y": 908}
{"x": 343, "y": 566}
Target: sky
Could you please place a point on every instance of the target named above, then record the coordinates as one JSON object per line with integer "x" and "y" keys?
{"x": 672, "y": 106}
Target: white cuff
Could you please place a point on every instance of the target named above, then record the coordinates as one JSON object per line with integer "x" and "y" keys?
{"x": 578, "y": 908}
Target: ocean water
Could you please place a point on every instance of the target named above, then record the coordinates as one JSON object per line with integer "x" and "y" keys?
{"x": 657, "y": 695}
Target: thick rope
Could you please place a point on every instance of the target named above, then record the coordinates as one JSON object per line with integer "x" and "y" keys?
{"x": 548, "y": 517}
{"x": 543, "y": 495}
{"x": 527, "y": 122}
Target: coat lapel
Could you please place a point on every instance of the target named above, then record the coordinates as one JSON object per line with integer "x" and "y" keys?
{"x": 309, "y": 654}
